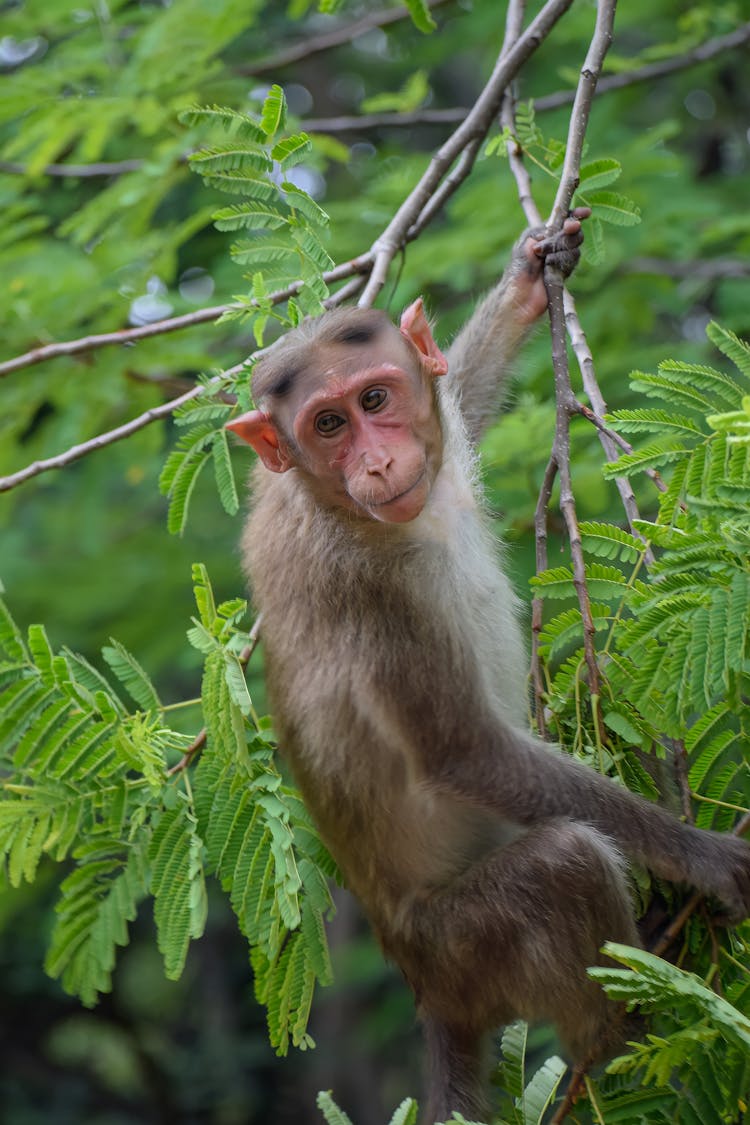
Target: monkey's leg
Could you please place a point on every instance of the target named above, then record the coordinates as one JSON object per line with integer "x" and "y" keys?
{"x": 455, "y": 1072}
{"x": 513, "y": 937}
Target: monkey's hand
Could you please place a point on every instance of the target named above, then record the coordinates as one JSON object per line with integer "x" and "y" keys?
{"x": 533, "y": 250}
{"x": 728, "y": 876}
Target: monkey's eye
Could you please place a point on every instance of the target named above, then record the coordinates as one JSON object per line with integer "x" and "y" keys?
{"x": 373, "y": 399}
{"x": 327, "y": 424}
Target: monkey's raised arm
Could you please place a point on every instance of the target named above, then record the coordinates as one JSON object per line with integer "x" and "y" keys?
{"x": 480, "y": 356}
{"x": 529, "y": 783}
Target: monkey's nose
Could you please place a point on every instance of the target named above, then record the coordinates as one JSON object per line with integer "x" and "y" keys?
{"x": 377, "y": 461}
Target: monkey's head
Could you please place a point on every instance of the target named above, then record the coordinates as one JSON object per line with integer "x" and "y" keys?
{"x": 348, "y": 401}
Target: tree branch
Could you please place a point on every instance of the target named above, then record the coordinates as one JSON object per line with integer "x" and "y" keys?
{"x": 105, "y": 339}
{"x": 558, "y": 100}
{"x": 713, "y": 269}
{"x": 476, "y": 125}
{"x": 567, "y": 404}
{"x": 327, "y": 40}
{"x": 77, "y": 171}
{"x": 76, "y": 452}
{"x": 171, "y": 324}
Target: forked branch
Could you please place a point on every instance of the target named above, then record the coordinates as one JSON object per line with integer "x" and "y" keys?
{"x": 418, "y": 209}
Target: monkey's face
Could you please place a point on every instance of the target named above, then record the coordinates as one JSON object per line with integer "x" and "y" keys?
{"x": 369, "y": 438}
{"x": 352, "y": 408}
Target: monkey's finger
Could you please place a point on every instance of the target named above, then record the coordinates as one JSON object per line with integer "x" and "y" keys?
{"x": 571, "y": 226}
{"x": 580, "y": 213}
{"x": 568, "y": 238}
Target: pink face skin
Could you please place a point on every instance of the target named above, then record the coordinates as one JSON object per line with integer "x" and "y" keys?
{"x": 365, "y": 435}
{"x": 371, "y": 442}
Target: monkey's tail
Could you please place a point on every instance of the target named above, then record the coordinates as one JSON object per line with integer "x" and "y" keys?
{"x": 455, "y": 1060}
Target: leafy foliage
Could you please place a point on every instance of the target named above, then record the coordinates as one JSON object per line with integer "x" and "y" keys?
{"x": 675, "y": 664}
{"x": 548, "y": 155}
{"x": 700, "y": 1072}
{"x": 525, "y": 1103}
{"x": 87, "y": 779}
{"x": 285, "y": 251}
{"x": 285, "y": 222}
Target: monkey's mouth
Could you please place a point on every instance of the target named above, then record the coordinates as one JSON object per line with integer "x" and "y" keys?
{"x": 403, "y": 507}
{"x": 400, "y": 495}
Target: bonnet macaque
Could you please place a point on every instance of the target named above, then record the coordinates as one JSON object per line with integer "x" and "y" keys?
{"x": 492, "y": 867}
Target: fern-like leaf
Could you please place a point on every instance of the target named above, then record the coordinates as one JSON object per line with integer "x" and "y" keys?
{"x": 132, "y": 676}
{"x": 331, "y": 1112}
{"x": 273, "y": 117}
{"x": 731, "y": 346}
{"x": 228, "y": 119}
{"x": 225, "y": 481}
{"x": 177, "y": 883}
{"x": 97, "y": 901}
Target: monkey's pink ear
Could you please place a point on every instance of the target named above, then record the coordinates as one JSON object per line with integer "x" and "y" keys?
{"x": 257, "y": 429}
{"x": 414, "y": 327}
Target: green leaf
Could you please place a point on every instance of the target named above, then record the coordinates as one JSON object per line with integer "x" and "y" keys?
{"x": 421, "y": 15}
{"x": 252, "y": 216}
{"x": 300, "y": 201}
{"x": 132, "y": 676}
{"x": 647, "y": 975}
{"x": 225, "y": 481}
{"x": 273, "y": 117}
{"x": 230, "y": 119}
{"x": 11, "y": 642}
{"x": 292, "y": 150}
{"x": 541, "y": 1090}
{"x": 177, "y": 884}
{"x": 231, "y": 157}
{"x": 731, "y": 346}
{"x": 610, "y": 541}
{"x": 97, "y": 902}
{"x": 650, "y": 457}
{"x": 329, "y": 1109}
{"x": 406, "y": 1114}
{"x": 599, "y": 173}
{"x": 609, "y": 207}
{"x": 651, "y": 421}
{"x": 409, "y": 98}
{"x": 190, "y": 465}
{"x": 513, "y": 1067}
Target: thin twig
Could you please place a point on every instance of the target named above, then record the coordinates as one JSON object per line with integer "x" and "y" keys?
{"x": 558, "y": 100}
{"x": 171, "y": 324}
{"x": 76, "y": 171}
{"x": 155, "y": 413}
{"x": 576, "y": 1086}
{"x": 714, "y": 269}
{"x": 537, "y": 605}
{"x": 702, "y": 53}
{"x": 566, "y": 404}
{"x": 554, "y": 284}
{"x": 106, "y": 339}
{"x": 327, "y": 40}
{"x": 610, "y": 440}
{"x": 82, "y": 449}
{"x": 449, "y": 185}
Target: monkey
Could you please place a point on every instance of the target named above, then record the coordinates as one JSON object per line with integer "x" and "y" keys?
{"x": 492, "y": 866}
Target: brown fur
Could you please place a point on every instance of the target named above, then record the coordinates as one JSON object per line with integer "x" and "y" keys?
{"x": 490, "y": 866}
